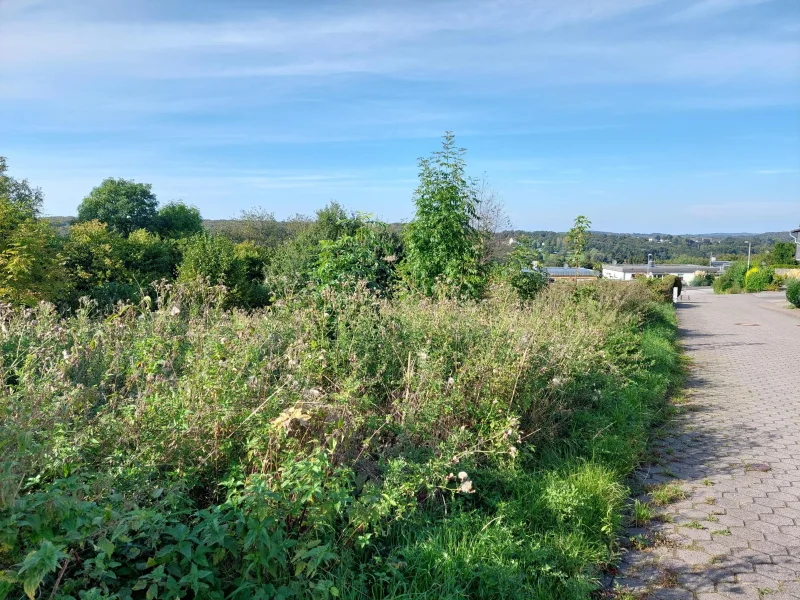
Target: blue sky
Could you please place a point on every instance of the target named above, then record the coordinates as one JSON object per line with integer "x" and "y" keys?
{"x": 645, "y": 115}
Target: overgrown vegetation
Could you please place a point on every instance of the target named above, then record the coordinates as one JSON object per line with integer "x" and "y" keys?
{"x": 738, "y": 278}
{"x": 341, "y": 445}
{"x": 338, "y": 411}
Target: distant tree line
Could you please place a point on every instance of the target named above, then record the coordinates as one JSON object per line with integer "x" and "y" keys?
{"x": 123, "y": 241}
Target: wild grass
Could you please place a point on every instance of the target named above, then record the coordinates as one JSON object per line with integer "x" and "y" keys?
{"x": 642, "y": 513}
{"x": 333, "y": 445}
{"x": 667, "y": 493}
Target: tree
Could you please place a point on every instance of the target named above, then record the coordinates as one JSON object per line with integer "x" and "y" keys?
{"x": 30, "y": 269}
{"x": 442, "y": 242}
{"x": 490, "y": 219}
{"x": 576, "y": 240}
{"x": 19, "y": 192}
{"x": 782, "y": 253}
{"x": 148, "y": 258}
{"x": 177, "y": 220}
{"x": 93, "y": 256}
{"x": 122, "y": 204}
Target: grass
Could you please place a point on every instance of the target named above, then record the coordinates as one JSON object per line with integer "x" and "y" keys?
{"x": 335, "y": 445}
{"x": 666, "y": 493}
{"x": 642, "y": 513}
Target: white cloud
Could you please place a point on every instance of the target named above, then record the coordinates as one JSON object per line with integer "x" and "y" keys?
{"x": 524, "y": 43}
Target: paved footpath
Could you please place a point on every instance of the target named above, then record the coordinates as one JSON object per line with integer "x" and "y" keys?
{"x": 735, "y": 452}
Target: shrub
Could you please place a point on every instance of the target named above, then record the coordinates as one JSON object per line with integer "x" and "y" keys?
{"x": 757, "y": 279}
{"x": 94, "y": 256}
{"x": 732, "y": 281}
{"x": 793, "y": 292}
{"x": 702, "y": 278}
{"x": 526, "y": 279}
{"x": 217, "y": 260}
{"x": 365, "y": 256}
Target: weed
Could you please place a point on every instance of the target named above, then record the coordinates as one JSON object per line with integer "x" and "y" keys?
{"x": 666, "y": 493}
{"x": 639, "y": 542}
{"x": 667, "y": 578}
{"x": 721, "y": 532}
{"x": 694, "y": 525}
{"x": 642, "y": 513}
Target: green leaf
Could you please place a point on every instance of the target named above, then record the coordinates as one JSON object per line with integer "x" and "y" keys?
{"x": 152, "y": 592}
{"x": 106, "y": 546}
{"x": 334, "y": 591}
{"x": 37, "y": 565}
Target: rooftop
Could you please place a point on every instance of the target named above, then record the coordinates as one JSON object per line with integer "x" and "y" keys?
{"x": 571, "y": 272}
{"x": 661, "y": 268}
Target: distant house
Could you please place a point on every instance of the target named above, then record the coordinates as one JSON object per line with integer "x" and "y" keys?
{"x": 561, "y": 273}
{"x": 628, "y": 272}
{"x": 796, "y": 237}
{"x": 722, "y": 265}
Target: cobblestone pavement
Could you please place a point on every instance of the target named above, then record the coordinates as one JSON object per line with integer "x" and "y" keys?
{"x": 734, "y": 451}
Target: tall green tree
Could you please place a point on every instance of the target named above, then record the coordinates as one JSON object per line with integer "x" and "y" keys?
{"x": 442, "y": 243}
{"x": 576, "y": 240}
{"x": 782, "y": 253}
{"x": 122, "y": 204}
{"x": 30, "y": 269}
{"x": 19, "y": 192}
{"x": 177, "y": 220}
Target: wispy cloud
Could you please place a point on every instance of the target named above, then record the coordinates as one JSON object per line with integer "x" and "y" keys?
{"x": 776, "y": 171}
{"x": 708, "y": 8}
{"x": 571, "y": 92}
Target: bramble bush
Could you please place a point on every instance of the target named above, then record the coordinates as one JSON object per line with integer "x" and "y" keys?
{"x": 336, "y": 444}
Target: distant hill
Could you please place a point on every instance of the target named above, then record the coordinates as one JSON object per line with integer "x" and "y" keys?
{"x": 602, "y": 247}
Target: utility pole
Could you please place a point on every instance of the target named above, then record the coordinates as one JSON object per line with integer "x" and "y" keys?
{"x": 748, "y": 256}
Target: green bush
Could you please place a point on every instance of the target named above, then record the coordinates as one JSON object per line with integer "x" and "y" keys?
{"x": 757, "y": 279}
{"x": 732, "y": 281}
{"x": 218, "y": 261}
{"x": 702, "y": 278}
{"x": 793, "y": 292}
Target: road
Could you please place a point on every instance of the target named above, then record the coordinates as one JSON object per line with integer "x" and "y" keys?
{"x": 735, "y": 452}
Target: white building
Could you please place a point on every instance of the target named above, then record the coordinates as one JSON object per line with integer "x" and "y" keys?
{"x": 628, "y": 272}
